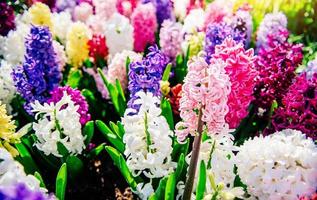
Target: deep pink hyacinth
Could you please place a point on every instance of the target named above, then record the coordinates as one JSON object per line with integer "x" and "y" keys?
{"x": 144, "y": 23}
{"x": 299, "y": 108}
{"x": 126, "y": 7}
{"x": 76, "y": 97}
{"x": 276, "y": 64}
{"x": 242, "y": 73}
{"x": 207, "y": 87}
{"x": 97, "y": 47}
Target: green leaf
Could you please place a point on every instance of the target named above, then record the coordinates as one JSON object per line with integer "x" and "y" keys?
{"x": 119, "y": 161}
{"x": 104, "y": 129}
{"x": 115, "y": 128}
{"x": 121, "y": 129}
{"x": 27, "y": 161}
{"x": 180, "y": 166}
{"x": 201, "y": 184}
{"x": 39, "y": 177}
{"x": 96, "y": 151}
{"x": 180, "y": 148}
{"x": 61, "y": 182}
{"x": 120, "y": 90}
{"x": 88, "y": 131}
{"x": 167, "y": 71}
{"x": 62, "y": 149}
{"x": 167, "y": 112}
{"x": 74, "y": 78}
{"x": 160, "y": 191}
{"x": 89, "y": 96}
{"x": 170, "y": 187}
{"x": 75, "y": 165}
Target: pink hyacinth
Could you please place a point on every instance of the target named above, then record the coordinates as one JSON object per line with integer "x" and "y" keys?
{"x": 104, "y": 9}
{"x": 58, "y": 93}
{"x": 82, "y": 12}
{"x": 242, "y": 73}
{"x": 126, "y": 7}
{"x": 207, "y": 87}
{"x": 117, "y": 67}
{"x": 217, "y": 11}
{"x": 171, "y": 38}
{"x": 144, "y": 23}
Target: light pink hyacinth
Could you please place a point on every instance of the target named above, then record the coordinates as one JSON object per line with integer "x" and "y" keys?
{"x": 82, "y": 12}
{"x": 104, "y": 9}
{"x": 117, "y": 67}
{"x": 171, "y": 38}
{"x": 240, "y": 68}
{"x": 144, "y": 23}
{"x": 217, "y": 12}
{"x": 206, "y": 86}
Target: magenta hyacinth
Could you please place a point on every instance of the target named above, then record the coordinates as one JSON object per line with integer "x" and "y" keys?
{"x": 6, "y": 18}
{"x": 242, "y": 73}
{"x": 76, "y": 97}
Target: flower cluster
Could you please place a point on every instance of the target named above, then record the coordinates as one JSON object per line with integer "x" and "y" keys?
{"x": 61, "y": 58}
{"x": 146, "y": 75}
{"x": 276, "y": 65}
{"x": 7, "y": 88}
{"x": 6, "y": 19}
{"x": 311, "y": 68}
{"x": 298, "y": 110}
{"x": 242, "y": 21}
{"x": 39, "y": 74}
{"x": 279, "y": 166}
{"x": 216, "y": 33}
{"x": 206, "y": 88}
{"x": 144, "y": 24}
{"x": 58, "y": 123}
{"x": 193, "y": 43}
{"x": 83, "y": 11}
{"x": 97, "y": 47}
{"x": 104, "y": 8}
{"x": 147, "y": 138}
{"x": 77, "y": 48}
{"x": 117, "y": 68}
{"x": 163, "y": 9}
{"x": 40, "y": 15}
{"x": 174, "y": 97}
{"x": 217, "y": 11}
{"x": 22, "y": 192}
{"x": 58, "y": 93}
{"x": 242, "y": 73}
{"x": 171, "y": 38}
{"x": 63, "y": 21}
{"x": 271, "y": 25}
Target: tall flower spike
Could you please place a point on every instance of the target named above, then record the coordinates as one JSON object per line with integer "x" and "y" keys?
{"x": 146, "y": 75}
{"x": 205, "y": 87}
{"x": 163, "y": 9}
{"x": 77, "y": 48}
{"x": 6, "y": 19}
{"x": 58, "y": 93}
{"x": 144, "y": 23}
{"x": 40, "y": 73}
{"x": 242, "y": 73}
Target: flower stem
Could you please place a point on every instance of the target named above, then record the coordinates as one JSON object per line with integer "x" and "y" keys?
{"x": 193, "y": 160}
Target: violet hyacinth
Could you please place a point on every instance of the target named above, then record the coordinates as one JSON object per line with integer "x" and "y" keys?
{"x": 276, "y": 64}
{"x": 146, "y": 75}
{"x": 21, "y": 192}
{"x": 164, "y": 9}
{"x": 299, "y": 108}
{"x": 39, "y": 74}
{"x": 76, "y": 97}
{"x": 216, "y": 33}
{"x": 6, "y": 18}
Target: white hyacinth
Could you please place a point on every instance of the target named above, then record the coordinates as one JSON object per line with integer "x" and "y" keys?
{"x": 7, "y": 88}
{"x": 12, "y": 173}
{"x": 194, "y": 21}
{"x": 119, "y": 33}
{"x": 58, "y": 122}
{"x": 61, "y": 22}
{"x": 147, "y": 139}
{"x": 281, "y": 166}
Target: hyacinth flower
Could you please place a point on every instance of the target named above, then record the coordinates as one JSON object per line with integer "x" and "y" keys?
{"x": 242, "y": 21}
{"x": 216, "y": 33}
{"x": 6, "y": 18}
{"x": 22, "y": 192}
{"x": 7, "y": 88}
{"x": 174, "y": 98}
{"x": 146, "y": 75}
{"x": 298, "y": 109}
{"x": 276, "y": 65}
{"x": 241, "y": 70}
{"x": 39, "y": 74}
{"x": 144, "y": 23}
{"x": 58, "y": 93}
{"x": 163, "y": 9}
{"x": 98, "y": 49}
{"x": 40, "y": 15}
{"x": 58, "y": 123}
{"x": 203, "y": 107}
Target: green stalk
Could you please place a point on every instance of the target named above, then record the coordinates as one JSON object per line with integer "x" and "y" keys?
{"x": 193, "y": 160}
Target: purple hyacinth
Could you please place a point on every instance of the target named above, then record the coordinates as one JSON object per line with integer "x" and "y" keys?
{"x": 164, "y": 9}
{"x": 146, "y": 75}
{"x": 216, "y": 33}
{"x": 77, "y": 98}
{"x": 6, "y": 19}
{"x": 39, "y": 74}
{"x": 21, "y": 192}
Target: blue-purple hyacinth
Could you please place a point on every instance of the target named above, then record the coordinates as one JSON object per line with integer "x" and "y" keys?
{"x": 39, "y": 74}
{"x": 146, "y": 75}
{"x": 216, "y": 33}
{"x": 21, "y": 192}
{"x": 164, "y": 9}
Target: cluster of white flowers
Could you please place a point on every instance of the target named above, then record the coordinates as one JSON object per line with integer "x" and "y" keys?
{"x": 7, "y": 88}
{"x": 61, "y": 22}
{"x": 12, "y": 173}
{"x": 280, "y": 166}
{"x": 194, "y": 20}
{"x": 58, "y": 123}
{"x": 119, "y": 34}
{"x": 147, "y": 139}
